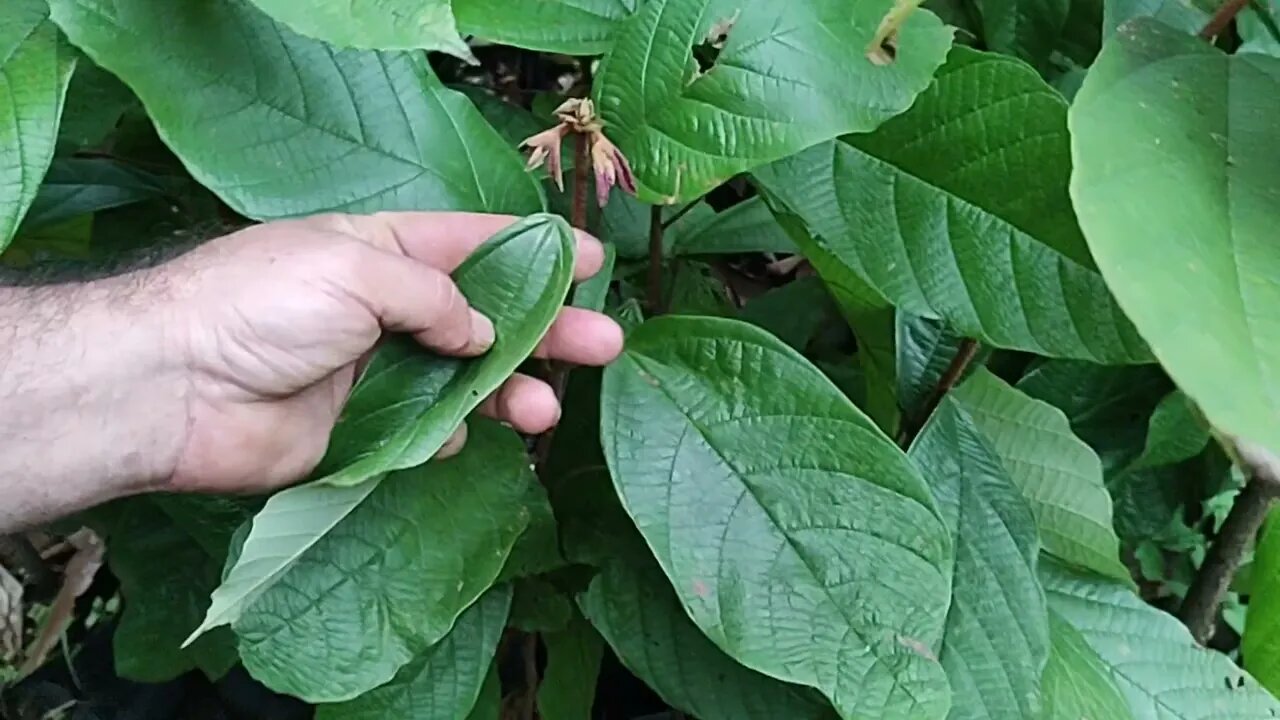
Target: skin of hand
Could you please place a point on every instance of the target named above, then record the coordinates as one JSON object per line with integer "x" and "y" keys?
{"x": 225, "y": 369}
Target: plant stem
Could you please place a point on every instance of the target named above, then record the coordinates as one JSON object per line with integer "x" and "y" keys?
{"x": 1223, "y": 17}
{"x": 655, "y": 260}
{"x": 529, "y": 651}
{"x": 558, "y": 374}
{"x": 1199, "y": 611}
{"x": 965, "y": 354}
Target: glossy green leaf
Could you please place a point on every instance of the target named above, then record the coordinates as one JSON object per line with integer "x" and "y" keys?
{"x": 769, "y": 93}
{"x": 373, "y": 24}
{"x": 1077, "y": 685}
{"x": 408, "y": 402}
{"x": 1160, "y": 671}
{"x": 442, "y": 682}
{"x": 625, "y": 221}
{"x": 747, "y": 227}
{"x": 1259, "y": 28}
{"x": 957, "y": 210}
{"x": 593, "y": 293}
{"x": 741, "y": 465}
{"x": 76, "y": 186}
{"x": 1261, "y": 642}
{"x": 489, "y": 705}
{"x": 633, "y": 607}
{"x": 572, "y": 27}
{"x": 280, "y": 125}
{"x": 568, "y": 687}
{"x": 163, "y": 601}
{"x": 993, "y": 650}
{"x": 1203, "y": 240}
{"x": 1026, "y": 29}
{"x": 1058, "y": 474}
{"x": 389, "y": 580}
{"x": 35, "y": 68}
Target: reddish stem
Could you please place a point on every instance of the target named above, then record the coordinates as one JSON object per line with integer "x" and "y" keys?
{"x": 1222, "y": 18}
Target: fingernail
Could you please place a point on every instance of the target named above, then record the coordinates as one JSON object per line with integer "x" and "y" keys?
{"x": 482, "y": 332}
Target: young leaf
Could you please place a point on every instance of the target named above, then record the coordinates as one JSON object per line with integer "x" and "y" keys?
{"x": 407, "y": 403}
{"x": 571, "y": 27}
{"x": 35, "y": 68}
{"x": 373, "y": 24}
{"x": 798, "y": 537}
{"x": 633, "y": 607}
{"x": 955, "y": 221}
{"x": 768, "y": 93}
{"x": 442, "y": 682}
{"x": 993, "y": 651}
{"x": 391, "y": 578}
{"x": 1160, "y": 670}
{"x": 1076, "y": 683}
{"x": 568, "y": 687}
{"x": 1175, "y": 433}
{"x": 280, "y": 125}
{"x": 1261, "y": 642}
{"x": 1058, "y": 474}
{"x": 1202, "y": 241}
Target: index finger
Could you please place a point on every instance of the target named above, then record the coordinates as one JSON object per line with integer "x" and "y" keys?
{"x": 445, "y": 239}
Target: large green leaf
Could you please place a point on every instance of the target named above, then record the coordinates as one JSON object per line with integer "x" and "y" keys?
{"x": 798, "y": 537}
{"x": 1058, "y": 474}
{"x": 408, "y": 402}
{"x": 373, "y": 24}
{"x": 573, "y": 27}
{"x": 633, "y": 607}
{"x": 925, "y": 349}
{"x": 442, "y": 682}
{"x": 958, "y": 210}
{"x": 1261, "y": 642}
{"x": 35, "y": 68}
{"x": 279, "y": 125}
{"x": 164, "y": 600}
{"x": 1172, "y": 120}
{"x": 391, "y": 577}
{"x": 1160, "y": 670}
{"x": 1077, "y": 685}
{"x": 568, "y": 687}
{"x": 770, "y": 92}
{"x": 997, "y": 634}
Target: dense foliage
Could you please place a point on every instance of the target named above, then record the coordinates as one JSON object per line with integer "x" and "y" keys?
{"x": 953, "y": 338}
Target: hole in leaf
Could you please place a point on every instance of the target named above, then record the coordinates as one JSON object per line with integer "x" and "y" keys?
{"x": 706, "y": 52}
{"x": 884, "y": 52}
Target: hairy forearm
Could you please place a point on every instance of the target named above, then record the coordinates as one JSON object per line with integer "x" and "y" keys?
{"x": 91, "y": 395}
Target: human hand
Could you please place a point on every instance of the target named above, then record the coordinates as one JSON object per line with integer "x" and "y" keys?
{"x": 273, "y": 321}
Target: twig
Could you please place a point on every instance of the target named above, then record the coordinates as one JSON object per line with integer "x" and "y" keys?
{"x": 680, "y": 213}
{"x": 1199, "y": 611}
{"x": 965, "y": 354}
{"x": 655, "y": 260}
{"x": 530, "y": 656}
{"x": 558, "y": 376}
{"x": 1222, "y": 18}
